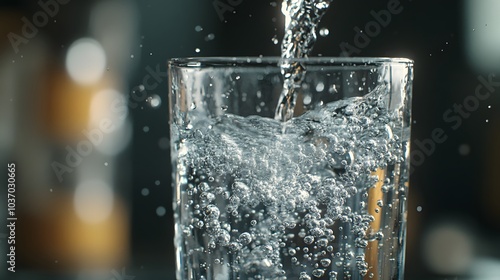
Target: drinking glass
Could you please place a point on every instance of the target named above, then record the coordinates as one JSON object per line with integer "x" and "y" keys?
{"x": 319, "y": 196}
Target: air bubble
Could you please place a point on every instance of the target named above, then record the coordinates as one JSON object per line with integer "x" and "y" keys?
{"x": 211, "y": 211}
{"x": 308, "y": 239}
{"x": 303, "y": 276}
{"x": 318, "y": 273}
{"x": 326, "y": 262}
{"x": 245, "y": 238}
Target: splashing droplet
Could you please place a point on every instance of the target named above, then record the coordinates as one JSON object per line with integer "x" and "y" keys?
{"x": 275, "y": 39}
{"x": 154, "y": 101}
{"x": 323, "y": 32}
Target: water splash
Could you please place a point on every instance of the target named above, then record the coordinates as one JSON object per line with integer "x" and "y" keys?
{"x": 301, "y": 21}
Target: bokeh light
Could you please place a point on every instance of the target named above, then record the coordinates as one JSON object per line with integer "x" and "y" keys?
{"x": 86, "y": 61}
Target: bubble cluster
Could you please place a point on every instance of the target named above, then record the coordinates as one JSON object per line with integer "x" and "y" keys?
{"x": 296, "y": 203}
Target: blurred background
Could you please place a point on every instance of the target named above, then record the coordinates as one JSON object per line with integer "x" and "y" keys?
{"x": 84, "y": 116}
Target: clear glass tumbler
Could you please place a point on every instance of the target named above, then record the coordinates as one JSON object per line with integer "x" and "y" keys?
{"x": 320, "y": 196}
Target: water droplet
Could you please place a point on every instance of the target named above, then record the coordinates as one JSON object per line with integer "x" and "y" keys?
{"x": 198, "y": 28}
{"x": 224, "y": 108}
{"x": 419, "y": 208}
{"x": 150, "y": 53}
{"x": 464, "y": 149}
{"x": 275, "y": 39}
{"x": 154, "y": 101}
{"x": 161, "y": 211}
{"x": 193, "y": 106}
{"x": 320, "y": 87}
{"x": 145, "y": 191}
{"x": 197, "y": 50}
{"x": 164, "y": 143}
{"x": 210, "y": 37}
{"x": 324, "y": 32}
{"x": 106, "y": 164}
{"x": 145, "y": 129}
{"x": 307, "y": 100}
{"x": 132, "y": 56}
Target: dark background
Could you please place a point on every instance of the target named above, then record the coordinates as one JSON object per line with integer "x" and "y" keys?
{"x": 454, "y": 215}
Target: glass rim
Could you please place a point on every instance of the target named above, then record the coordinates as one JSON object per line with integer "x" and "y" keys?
{"x": 220, "y": 61}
